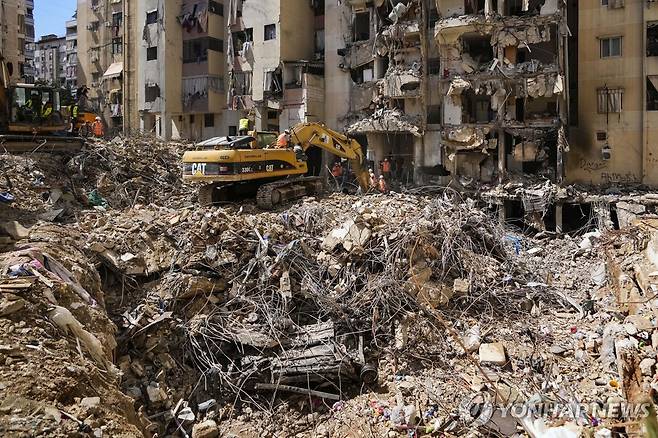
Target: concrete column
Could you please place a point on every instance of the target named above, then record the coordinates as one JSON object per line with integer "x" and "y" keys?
{"x": 260, "y": 121}
{"x": 379, "y": 68}
{"x": 502, "y": 156}
{"x": 419, "y": 153}
{"x": 559, "y": 224}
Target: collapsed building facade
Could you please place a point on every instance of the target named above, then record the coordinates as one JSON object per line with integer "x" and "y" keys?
{"x": 504, "y": 84}
{"x": 378, "y": 83}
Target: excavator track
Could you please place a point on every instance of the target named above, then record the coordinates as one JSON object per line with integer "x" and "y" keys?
{"x": 276, "y": 193}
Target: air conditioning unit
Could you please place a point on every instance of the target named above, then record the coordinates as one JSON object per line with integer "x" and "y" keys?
{"x": 616, "y": 4}
{"x": 108, "y": 24}
{"x": 606, "y": 152}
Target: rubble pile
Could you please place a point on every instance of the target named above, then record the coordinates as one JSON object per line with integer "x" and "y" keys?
{"x": 57, "y": 374}
{"x": 125, "y": 172}
{"x": 397, "y": 314}
{"x": 115, "y": 174}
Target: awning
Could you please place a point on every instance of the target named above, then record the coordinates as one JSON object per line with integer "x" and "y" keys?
{"x": 114, "y": 70}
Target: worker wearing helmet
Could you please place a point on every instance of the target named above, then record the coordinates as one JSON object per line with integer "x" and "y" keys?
{"x": 284, "y": 140}
{"x": 97, "y": 128}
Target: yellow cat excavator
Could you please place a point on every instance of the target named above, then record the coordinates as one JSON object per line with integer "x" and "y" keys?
{"x": 31, "y": 118}
{"x": 239, "y": 167}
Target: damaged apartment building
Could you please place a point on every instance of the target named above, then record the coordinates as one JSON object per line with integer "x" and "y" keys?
{"x": 275, "y": 61}
{"x": 505, "y": 93}
{"x": 379, "y": 87}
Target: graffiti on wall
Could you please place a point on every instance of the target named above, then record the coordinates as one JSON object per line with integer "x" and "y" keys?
{"x": 611, "y": 177}
{"x": 592, "y": 165}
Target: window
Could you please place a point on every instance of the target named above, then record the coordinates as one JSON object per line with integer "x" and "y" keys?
{"x": 151, "y": 92}
{"x": 610, "y": 100}
{"x": 610, "y": 47}
{"x": 601, "y": 136}
{"x": 216, "y": 8}
{"x": 232, "y": 131}
{"x": 270, "y": 32}
{"x": 652, "y": 93}
{"x": 197, "y": 50}
{"x": 434, "y": 66}
{"x": 21, "y": 23}
{"x": 117, "y": 19}
{"x": 152, "y": 17}
{"x": 117, "y": 45}
{"x": 604, "y": 2}
{"x": 434, "y": 114}
{"x": 151, "y": 53}
{"x": 239, "y": 38}
{"x": 362, "y": 26}
{"x": 652, "y": 38}
{"x": 209, "y": 120}
{"x": 191, "y": 118}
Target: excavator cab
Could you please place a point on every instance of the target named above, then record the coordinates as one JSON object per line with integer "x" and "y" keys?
{"x": 31, "y": 118}
{"x": 35, "y": 109}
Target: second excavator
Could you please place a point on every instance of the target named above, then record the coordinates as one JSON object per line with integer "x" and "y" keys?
{"x": 247, "y": 166}
{"x": 31, "y": 117}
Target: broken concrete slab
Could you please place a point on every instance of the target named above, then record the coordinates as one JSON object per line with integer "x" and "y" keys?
{"x": 15, "y": 230}
{"x": 493, "y": 353}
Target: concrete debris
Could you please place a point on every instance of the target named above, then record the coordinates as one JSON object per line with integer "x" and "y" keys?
{"x": 386, "y": 120}
{"x": 493, "y": 354}
{"x": 156, "y": 316}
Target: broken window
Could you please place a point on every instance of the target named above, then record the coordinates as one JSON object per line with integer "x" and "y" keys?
{"x": 479, "y": 7}
{"x": 270, "y": 32}
{"x": 610, "y": 47}
{"x": 152, "y": 17}
{"x": 151, "y": 53}
{"x": 610, "y": 100}
{"x": 242, "y": 83}
{"x": 434, "y": 114}
{"x": 361, "y": 26}
{"x": 151, "y": 92}
{"x": 478, "y": 51}
{"x": 364, "y": 73}
{"x": 652, "y": 93}
{"x": 272, "y": 82}
{"x": 652, "y": 38}
{"x": 241, "y": 37}
{"x": 476, "y": 108}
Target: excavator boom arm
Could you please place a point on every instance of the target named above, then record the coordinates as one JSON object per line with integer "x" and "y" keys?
{"x": 316, "y": 134}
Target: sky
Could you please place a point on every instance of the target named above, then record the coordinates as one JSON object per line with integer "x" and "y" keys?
{"x": 50, "y": 16}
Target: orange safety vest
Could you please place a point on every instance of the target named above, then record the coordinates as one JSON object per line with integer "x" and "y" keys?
{"x": 386, "y": 166}
{"x": 97, "y": 129}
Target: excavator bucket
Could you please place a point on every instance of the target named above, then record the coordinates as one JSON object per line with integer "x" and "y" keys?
{"x": 28, "y": 143}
